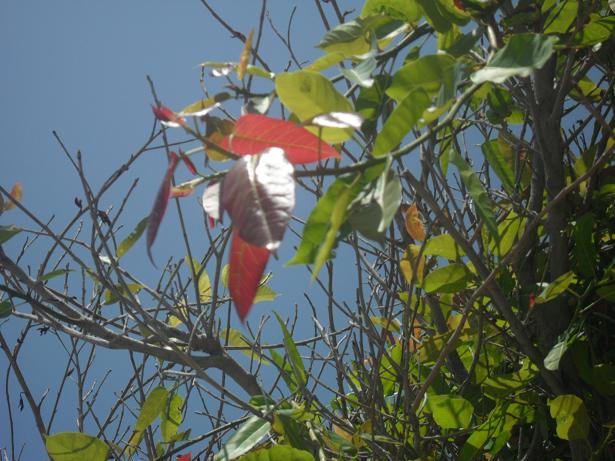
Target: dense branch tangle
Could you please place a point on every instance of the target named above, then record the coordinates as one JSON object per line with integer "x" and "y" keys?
{"x": 441, "y": 339}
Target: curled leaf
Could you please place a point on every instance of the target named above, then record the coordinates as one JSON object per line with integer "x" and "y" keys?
{"x": 188, "y": 163}
{"x": 259, "y": 194}
{"x": 245, "y": 56}
{"x": 160, "y": 205}
{"x": 414, "y": 223}
{"x": 255, "y": 133}
{"x": 246, "y": 266}
{"x": 16, "y": 194}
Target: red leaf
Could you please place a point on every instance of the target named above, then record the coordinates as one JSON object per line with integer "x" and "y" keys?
{"x": 186, "y": 457}
{"x": 254, "y": 133}
{"x": 160, "y": 205}
{"x": 246, "y": 267}
{"x": 167, "y": 116}
{"x": 188, "y": 164}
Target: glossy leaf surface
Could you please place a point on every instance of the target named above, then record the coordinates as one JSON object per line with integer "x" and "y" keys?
{"x": 258, "y": 193}
{"x": 244, "y": 439}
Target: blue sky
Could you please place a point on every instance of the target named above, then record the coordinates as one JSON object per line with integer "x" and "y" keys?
{"x": 79, "y": 68}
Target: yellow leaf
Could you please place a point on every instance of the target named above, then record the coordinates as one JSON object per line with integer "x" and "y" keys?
{"x": 245, "y": 56}
{"x": 217, "y": 130}
{"x": 409, "y": 262}
{"x": 204, "y": 288}
{"x": 414, "y": 223}
{"x": 16, "y": 193}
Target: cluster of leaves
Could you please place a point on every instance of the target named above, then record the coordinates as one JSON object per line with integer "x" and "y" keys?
{"x": 465, "y": 357}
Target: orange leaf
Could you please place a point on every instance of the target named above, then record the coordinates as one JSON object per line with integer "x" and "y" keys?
{"x": 16, "y": 193}
{"x": 245, "y": 56}
{"x": 246, "y": 267}
{"x": 414, "y": 223}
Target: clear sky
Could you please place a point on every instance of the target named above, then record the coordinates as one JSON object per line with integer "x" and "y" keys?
{"x": 79, "y": 68}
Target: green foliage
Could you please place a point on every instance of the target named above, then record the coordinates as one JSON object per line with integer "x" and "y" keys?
{"x": 75, "y": 446}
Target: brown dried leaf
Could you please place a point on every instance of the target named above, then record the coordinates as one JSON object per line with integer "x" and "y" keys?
{"x": 245, "y": 56}
{"x": 414, "y": 223}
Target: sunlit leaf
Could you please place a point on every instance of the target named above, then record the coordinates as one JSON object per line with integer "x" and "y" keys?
{"x": 167, "y": 117}
{"x": 216, "y": 129}
{"x": 171, "y": 417}
{"x": 555, "y": 355}
{"x": 204, "y": 106}
{"x": 414, "y": 222}
{"x": 7, "y": 232}
{"x": 597, "y": 30}
{"x": 111, "y": 297}
{"x": 75, "y": 446}
{"x": 444, "y": 246}
{"x": 308, "y": 94}
{"x": 160, "y": 205}
{"x": 204, "y": 287}
{"x": 398, "y": 9}
{"x": 570, "y": 414}
{"x": 245, "y": 56}
{"x": 244, "y": 439}
{"x": 484, "y": 205}
{"x": 492, "y": 150}
{"x": 450, "y": 411}
{"x": 361, "y": 74}
{"x": 132, "y": 238}
{"x": 254, "y": 133}
{"x": 278, "y": 453}
{"x": 293, "y": 354}
{"x": 338, "y": 120}
{"x": 410, "y": 265}
{"x": 349, "y": 38}
{"x": 406, "y": 116}
{"x": 561, "y": 16}
{"x": 211, "y": 200}
{"x": 246, "y": 266}
{"x": 524, "y": 53}
{"x": 557, "y": 287}
{"x": 447, "y": 279}
{"x": 258, "y": 192}
{"x": 427, "y": 73}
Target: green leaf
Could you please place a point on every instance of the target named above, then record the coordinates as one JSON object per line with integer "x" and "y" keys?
{"x": 483, "y": 203}
{"x": 246, "y": 437}
{"x": 408, "y": 11}
{"x": 444, "y": 246}
{"x": 361, "y": 74}
{"x": 326, "y": 61}
{"x": 447, "y": 279}
{"x": 171, "y": 417}
{"x": 54, "y": 274}
{"x": 308, "y": 94}
{"x": 75, "y": 446}
{"x": 556, "y": 287}
{"x": 154, "y": 404}
{"x": 450, "y": 411}
{"x": 456, "y": 43}
{"x": 278, "y": 453}
{"x": 437, "y": 14}
{"x": 371, "y": 102}
{"x": 428, "y": 73}
{"x": 503, "y": 386}
{"x": 375, "y": 206}
{"x": 572, "y": 421}
{"x": 293, "y": 354}
{"x": 132, "y": 238}
{"x": 584, "y": 250}
{"x": 510, "y": 230}
{"x": 288, "y": 374}
{"x": 523, "y": 54}
{"x": 6, "y": 309}
{"x": 406, "y": 116}
{"x": 264, "y": 293}
{"x": 7, "y": 232}
{"x": 597, "y": 30}
{"x": 112, "y": 298}
{"x": 560, "y": 16}
{"x": 498, "y": 160}
{"x": 554, "y": 356}
{"x": 204, "y": 287}
{"x": 320, "y": 221}
{"x": 350, "y": 38}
